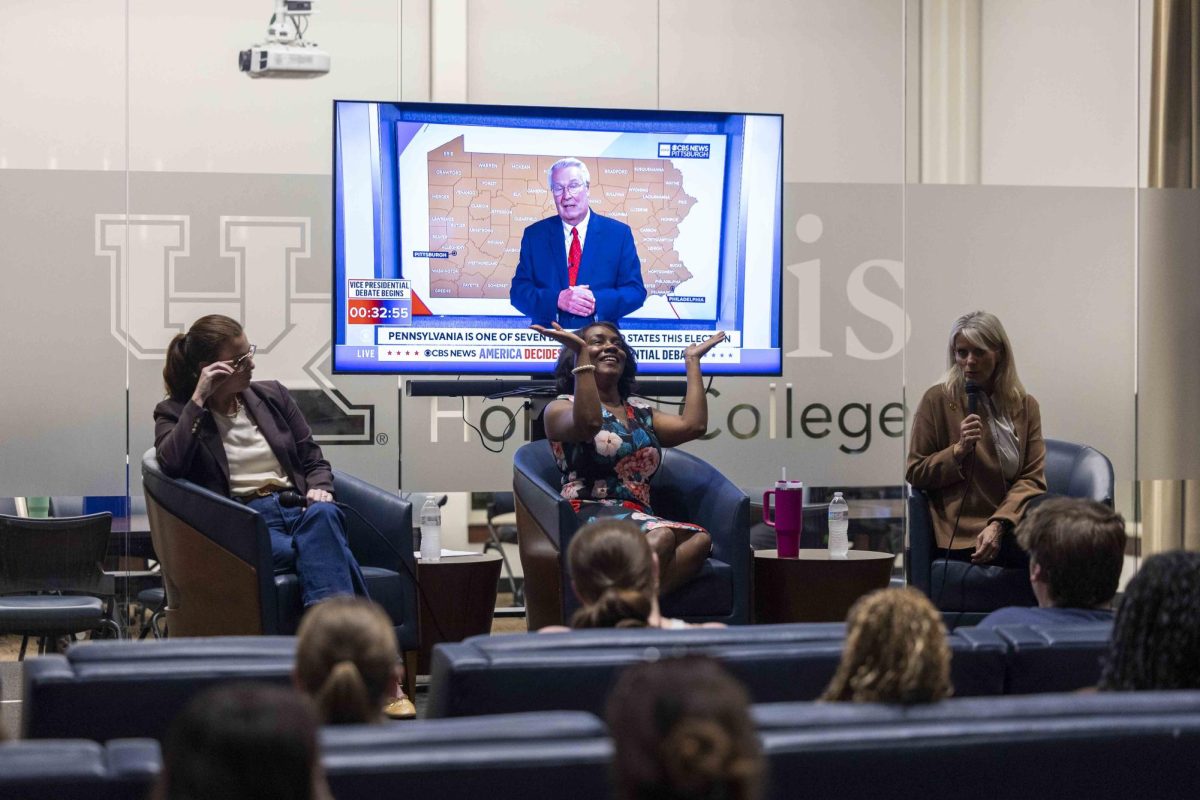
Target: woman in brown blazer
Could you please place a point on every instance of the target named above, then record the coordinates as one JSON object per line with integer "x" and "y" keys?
{"x": 980, "y": 470}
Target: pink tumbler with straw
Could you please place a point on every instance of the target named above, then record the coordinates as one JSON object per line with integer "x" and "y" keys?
{"x": 788, "y": 519}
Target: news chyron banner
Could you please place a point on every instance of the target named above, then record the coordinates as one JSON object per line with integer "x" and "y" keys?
{"x": 388, "y": 304}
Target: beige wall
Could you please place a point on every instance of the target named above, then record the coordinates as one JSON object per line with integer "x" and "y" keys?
{"x": 1059, "y": 93}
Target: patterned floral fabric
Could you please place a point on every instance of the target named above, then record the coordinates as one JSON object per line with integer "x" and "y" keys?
{"x": 609, "y": 477}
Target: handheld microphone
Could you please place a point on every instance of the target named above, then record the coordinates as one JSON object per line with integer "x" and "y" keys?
{"x": 973, "y": 391}
{"x": 291, "y": 499}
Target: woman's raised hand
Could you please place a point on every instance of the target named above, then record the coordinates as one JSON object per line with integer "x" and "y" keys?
{"x": 211, "y": 377}
{"x": 561, "y": 335}
{"x": 697, "y": 351}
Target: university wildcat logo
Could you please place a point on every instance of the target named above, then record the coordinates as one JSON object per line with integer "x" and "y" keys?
{"x": 158, "y": 287}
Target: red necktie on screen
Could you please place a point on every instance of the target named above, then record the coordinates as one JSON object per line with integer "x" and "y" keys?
{"x": 573, "y": 258}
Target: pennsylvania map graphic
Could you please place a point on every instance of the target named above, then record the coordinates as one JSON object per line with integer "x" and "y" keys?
{"x": 480, "y": 203}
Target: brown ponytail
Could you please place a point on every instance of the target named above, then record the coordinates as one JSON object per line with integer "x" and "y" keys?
{"x": 612, "y": 569}
{"x": 682, "y": 729}
{"x": 346, "y": 657}
{"x": 699, "y": 754}
{"x": 343, "y": 699}
{"x": 187, "y": 351}
{"x": 616, "y": 608}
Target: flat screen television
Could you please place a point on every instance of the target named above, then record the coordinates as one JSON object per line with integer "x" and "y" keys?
{"x": 431, "y": 203}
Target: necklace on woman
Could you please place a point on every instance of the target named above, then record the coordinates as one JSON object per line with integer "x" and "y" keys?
{"x": 237, "y": 406}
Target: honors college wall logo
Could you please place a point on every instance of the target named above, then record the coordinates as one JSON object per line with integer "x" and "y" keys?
{"x": 158, "y": 286}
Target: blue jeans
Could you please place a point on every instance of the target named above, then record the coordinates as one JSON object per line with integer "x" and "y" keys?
{"x": 312, "y": 542}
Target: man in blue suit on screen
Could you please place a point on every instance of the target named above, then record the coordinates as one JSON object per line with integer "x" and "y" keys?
{"x": 578, "y": 267}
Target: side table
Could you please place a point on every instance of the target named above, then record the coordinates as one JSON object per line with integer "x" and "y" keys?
{"x": 815, "y": 587}
{"x": 460, "y": 591}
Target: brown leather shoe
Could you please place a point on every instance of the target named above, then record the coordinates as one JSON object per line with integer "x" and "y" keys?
{"x": 400, "y": 708}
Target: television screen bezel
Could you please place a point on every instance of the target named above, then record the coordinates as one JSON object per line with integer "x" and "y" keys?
{"x": 518, "y": 110}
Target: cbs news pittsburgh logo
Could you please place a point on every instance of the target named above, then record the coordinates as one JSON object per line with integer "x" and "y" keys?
{"x": 683, "y": 150}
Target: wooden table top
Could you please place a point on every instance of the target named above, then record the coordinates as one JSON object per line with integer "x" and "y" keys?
{"x": 481, "y": 558}
{"x": 818, "y": 554}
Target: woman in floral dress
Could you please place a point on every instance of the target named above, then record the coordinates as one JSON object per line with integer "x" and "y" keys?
{"x": 608, "y": 445}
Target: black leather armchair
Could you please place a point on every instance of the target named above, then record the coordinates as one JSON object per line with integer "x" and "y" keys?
{"x": 1072, "y": 470}
{"x": 684, "y": 488}
{"x": 216, "y": 558}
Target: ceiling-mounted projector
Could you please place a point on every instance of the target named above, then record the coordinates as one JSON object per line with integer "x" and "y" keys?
{"x": 286, "y": 53}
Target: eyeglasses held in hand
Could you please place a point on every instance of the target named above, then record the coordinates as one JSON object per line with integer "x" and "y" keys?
{"x": 243, "y": 361}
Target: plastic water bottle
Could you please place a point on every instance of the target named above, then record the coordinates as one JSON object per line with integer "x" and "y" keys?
{"x": 839, "y": 523}
{"x": 431, "y": 530}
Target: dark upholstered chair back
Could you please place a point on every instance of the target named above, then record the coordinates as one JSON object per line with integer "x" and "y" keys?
{"x": 1078, "y": 743}
{"x": 1081, "y": 756}
{"x": 116, "y": 690}
{"x": 1076, "y": 470}
{"x": 55, "y": 555}
{"x": 576, "y": 670}
{"x": 78, "y": 769}
{"x": 843, "y": 750}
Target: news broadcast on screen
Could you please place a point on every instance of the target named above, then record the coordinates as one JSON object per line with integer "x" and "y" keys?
{"x": 441, "y": 265}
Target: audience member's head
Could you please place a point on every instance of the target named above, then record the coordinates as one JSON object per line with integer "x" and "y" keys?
{"x": 252, "y": 741}
{"x": 895, "y": 651}
{"x": 1156, "y": 635}
{"x": 1076, "y": 551}
{"x": 682, "y": 729}
{"x": 615, "y": 575}
{"x": 346, "y": 659}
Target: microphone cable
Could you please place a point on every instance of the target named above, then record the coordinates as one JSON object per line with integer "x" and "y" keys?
{"x": 970, "y": 474}
{"x": 972, "y": 389}
{"x": 293, "y": 499}
{"x": 509, "y": 429}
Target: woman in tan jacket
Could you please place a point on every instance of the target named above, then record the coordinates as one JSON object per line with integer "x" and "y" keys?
{"x": 980, "y": 470}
